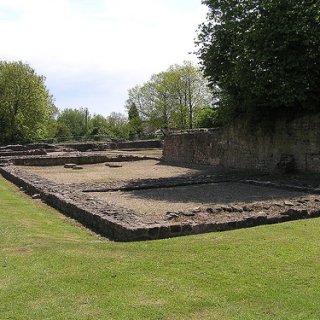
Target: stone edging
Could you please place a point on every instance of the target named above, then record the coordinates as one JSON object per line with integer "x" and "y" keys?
{"x": 91, "y": 158}
{"x": 107, "y": 219}
{"x": 285, "y": 186}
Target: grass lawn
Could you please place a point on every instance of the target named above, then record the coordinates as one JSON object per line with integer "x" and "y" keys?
{"x": 51, "y": 268}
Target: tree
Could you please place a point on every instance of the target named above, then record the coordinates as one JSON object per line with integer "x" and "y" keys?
{"x": 76, "y": 120}
{"x": 26, "y": 107}
{"x": 61, "y": 130}
{"x": 135, "y": 122}
{"x": 171, "y": 98}
{"x": 191, "y": 91}
{"x": 118, "y": 125}
{"x": 79, "y": 122}
{"x": 207, "y": 118}
{"x": 262, "y": 55}
{"x": 99, "y": 125}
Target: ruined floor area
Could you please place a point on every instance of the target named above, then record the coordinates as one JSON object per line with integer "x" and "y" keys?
{"x": 156, "y": 204}
{"x": 129, "y": 195}
{"x": 100, "y": 173}
{"x": 160, "y": 193}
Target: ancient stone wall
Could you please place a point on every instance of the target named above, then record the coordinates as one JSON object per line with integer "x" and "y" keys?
{"x": 293, "y": 145}
{"x": 105, "y": 218}
{"x": 80, "y": 159}
{"x": 92, "y": 146}
{"x": 139, "y": 144}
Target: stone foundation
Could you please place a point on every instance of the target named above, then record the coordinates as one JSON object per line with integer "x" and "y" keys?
{"x": 123, "y": 224}
{"x": 289, "y": 146}
{"x": 139, "y": 144}
{"x": 10, "y": 153}
{"x": 79, "y": 159}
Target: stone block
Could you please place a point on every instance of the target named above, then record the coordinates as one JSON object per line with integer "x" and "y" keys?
{"x": 70, "y": 165}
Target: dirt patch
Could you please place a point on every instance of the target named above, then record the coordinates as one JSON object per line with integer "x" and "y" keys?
{"x": 23, "y": 250}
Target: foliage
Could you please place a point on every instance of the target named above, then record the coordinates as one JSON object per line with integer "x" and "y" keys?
{"x": 53, "y": 269}
{"x": 61, "y": 130}
{"x": 171, "y": 98}
{"x": 207, "y": 118}
{"x": 75, "y": 121}
{"x": 118, "y": 125}
{"x": 26, "y": 107}
{"x": 135, "y": 122}
{"x": 263, "y": 55}
{"x": 79, "y": 123}
{"x": 98, "y": 125}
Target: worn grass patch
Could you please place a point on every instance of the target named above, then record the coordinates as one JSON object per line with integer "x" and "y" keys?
{"x": 51, "y": 268}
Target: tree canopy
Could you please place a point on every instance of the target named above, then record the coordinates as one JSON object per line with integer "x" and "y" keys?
{"x": 170, "y": 99}
{"x": 135, "y": 122}
{"x": 73, "y": 122}
{"x": 26, "y": 107}
{"x": 262, "y": 57}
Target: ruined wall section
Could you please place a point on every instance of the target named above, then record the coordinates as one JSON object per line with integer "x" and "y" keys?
{"x": 289, "y": 145}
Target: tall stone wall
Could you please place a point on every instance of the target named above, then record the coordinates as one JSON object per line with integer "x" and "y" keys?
{"x": 293, "y": 145}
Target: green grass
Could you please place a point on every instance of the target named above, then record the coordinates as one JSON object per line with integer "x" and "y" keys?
{"x": 51, "y": 268}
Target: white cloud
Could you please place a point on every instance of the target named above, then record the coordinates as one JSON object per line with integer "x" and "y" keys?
{"x": 79, "y": 44}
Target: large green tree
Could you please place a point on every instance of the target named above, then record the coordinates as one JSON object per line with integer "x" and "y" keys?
{"x": 189, "y": 91}
{"x": 26, "y": 107}
{"x": 172, "y": 97}
{"x": 74, "y": 121}
{"x": 98, "y": 125}
{"x": 262, "y": 56}
{"x": 135, "y": 122}
{"x": 118, "y": 125}
{"x": 79, "y": 123}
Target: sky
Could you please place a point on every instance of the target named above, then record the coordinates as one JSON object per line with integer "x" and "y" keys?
{"x": 92, "y": 52}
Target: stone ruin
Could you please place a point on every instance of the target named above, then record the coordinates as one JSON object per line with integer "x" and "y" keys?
{"x": 121, "y": 223}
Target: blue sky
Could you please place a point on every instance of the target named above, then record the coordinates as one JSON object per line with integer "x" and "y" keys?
{"x": 92, "y": 52}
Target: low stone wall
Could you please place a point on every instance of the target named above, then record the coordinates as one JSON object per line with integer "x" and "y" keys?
{"x": 76, "y": 159}
{"x": 84, "y": 147}
{"x": 122, "y": 224}
{"x": 96, "y": 215}
{"x": 289, "y": 146}
{"x": 14, "y": 147}
{"x": 10, "y": 153}
{"x": 46, "y": 146}
{"x": 139, "y": 144}
{"x": 28, "y": 147}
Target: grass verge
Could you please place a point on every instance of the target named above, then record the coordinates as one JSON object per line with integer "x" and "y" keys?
{"x": 51, "y": 268}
